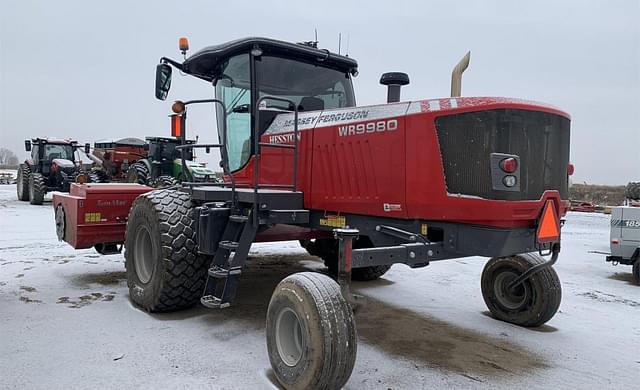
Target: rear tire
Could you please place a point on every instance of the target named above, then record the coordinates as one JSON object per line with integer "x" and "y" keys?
{"x": 165, "y": 181}
{"x": 98, "y": 177}
{"x": 165, "y": 272}
{"x": 37, "y": 188}
{"x": 636, "y": 271}
{"x": 327, "y": 249}
{"x": 138, "y": 173}
{"x": 311, "y": 333}
{"x": 22, "y": 182}
{"x": 530, "y": 304}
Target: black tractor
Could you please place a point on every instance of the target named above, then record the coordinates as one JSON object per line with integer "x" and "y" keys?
{"x": 53, "y": 166}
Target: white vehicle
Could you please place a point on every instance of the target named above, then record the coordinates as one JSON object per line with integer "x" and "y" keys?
{"x": 625, "y": 238}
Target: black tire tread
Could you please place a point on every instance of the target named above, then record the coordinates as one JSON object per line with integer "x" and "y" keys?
{"x": 332, "y": 308}
{"x": 37, "y": 188}
{"x": 165, "y": 181}
{"x": 552, "y": 290}
{"x": 24, "y": 171}
{"x": 636, "y": 271}
{"x": 184, "y": 268}
{"x": 141, "y": 171}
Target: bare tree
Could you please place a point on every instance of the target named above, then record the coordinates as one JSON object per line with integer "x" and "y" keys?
{"x": 7, "y": 157}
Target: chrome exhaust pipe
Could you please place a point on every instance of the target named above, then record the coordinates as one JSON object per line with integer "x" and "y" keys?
{"x": 456, "y": 75}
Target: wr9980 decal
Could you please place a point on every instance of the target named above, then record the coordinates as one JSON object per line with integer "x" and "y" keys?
{"x": 368, "y": 127}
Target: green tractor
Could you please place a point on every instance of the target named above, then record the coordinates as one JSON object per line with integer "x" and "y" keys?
{"x": 163, "y": 166}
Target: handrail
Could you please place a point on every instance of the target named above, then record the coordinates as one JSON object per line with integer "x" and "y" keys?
{"x": 222, "y": 145}
{"x": 257, "y": 144}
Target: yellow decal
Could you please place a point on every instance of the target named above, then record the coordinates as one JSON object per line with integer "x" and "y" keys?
{"x": 423, "y": 229}
{"x": 333, "y": 221}
{"x": 92, "y": 217}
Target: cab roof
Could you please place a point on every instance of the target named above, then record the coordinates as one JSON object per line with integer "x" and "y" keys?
{"x": 47, "y": 140}
{"x": 203, "y": 63}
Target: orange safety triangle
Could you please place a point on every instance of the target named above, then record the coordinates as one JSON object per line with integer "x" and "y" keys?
{"x": 549, "y": 227}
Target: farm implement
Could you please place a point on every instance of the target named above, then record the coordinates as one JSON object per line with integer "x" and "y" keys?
{"x": 362, "y": 187}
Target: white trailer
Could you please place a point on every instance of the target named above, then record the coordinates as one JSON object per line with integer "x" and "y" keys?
{"x": 625, "y": 238}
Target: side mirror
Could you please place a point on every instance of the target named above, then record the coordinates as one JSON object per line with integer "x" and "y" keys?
{"x": 87, "y": 148}
{"x": 163, "y": 80}
{"x": 27, "y": 145}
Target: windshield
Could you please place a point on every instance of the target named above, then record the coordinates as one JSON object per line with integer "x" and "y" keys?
{"x": 309, "y": 86}
{"x": 53, "y": 151}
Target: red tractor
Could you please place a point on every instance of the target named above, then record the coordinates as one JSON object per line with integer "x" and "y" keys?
{"x": 362, "y": 187}
{"x": 52, "y": 166}
{"x": 114, "y": 157}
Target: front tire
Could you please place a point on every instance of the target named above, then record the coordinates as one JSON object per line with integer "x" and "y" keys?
{"x": 37, "y": 188}
{"x": 22, "y": 182}
{"x": 165, "y": 272}
{"x": 311, "y": 333}
{"x": 636, "y": 271}
{"x": 533, "y": 302}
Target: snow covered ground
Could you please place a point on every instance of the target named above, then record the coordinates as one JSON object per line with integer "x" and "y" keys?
{"x": 66, "y": 321}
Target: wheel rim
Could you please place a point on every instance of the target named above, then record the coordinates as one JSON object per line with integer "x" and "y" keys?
{"x": 289, "y": 339}
{"x": 144, "y": 256}
{"x": 60, "y": 222}
{"x": 510, "y": 298}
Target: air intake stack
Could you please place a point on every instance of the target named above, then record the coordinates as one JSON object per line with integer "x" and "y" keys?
{"x": 394, "y": 81}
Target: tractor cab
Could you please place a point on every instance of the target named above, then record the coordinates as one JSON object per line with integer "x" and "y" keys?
{"x": 45, "y": 151}
{"x": 256, "y": 79}
{"x": 163, "y": 149}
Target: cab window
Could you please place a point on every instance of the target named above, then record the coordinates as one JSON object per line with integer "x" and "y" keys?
{"x": 233, "y": 88}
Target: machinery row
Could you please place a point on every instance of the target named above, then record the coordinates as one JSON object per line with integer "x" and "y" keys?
{"x": 55, "y": 164}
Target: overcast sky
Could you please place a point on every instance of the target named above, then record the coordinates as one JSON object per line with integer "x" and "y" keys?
{"x": 85, "y": 69}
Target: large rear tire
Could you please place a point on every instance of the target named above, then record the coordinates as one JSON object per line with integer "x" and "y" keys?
{"x": 138, "y": 173}
{"x": 37, "y": 188}
{"x": 165, "y": 272}
{"x": 327, "y": 249}
{"x": 22, "y": 182}
{"x": 530, "y": 304}
{"x": 311, "y": 333}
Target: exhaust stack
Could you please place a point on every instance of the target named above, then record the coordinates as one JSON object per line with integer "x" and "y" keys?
{"x": 456, "y": 75}
{"x": 394, "y": 81}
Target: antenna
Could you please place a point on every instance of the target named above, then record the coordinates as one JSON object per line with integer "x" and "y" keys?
{"x": 339, "y": 41}
{"x": 347, "y": 52}
{"x": 316, "y": 30}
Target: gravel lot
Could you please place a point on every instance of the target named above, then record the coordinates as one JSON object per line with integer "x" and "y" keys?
{"x": 66, "y": 321}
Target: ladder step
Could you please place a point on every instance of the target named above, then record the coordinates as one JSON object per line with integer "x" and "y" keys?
{"x": 230, "y": 245}
{"x": 223, "y": 273}
{"x": 238, "y": 218}
{"x": 212, "y": 302}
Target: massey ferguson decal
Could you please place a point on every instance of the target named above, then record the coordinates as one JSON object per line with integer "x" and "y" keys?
{"x": 343, "y": 116}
